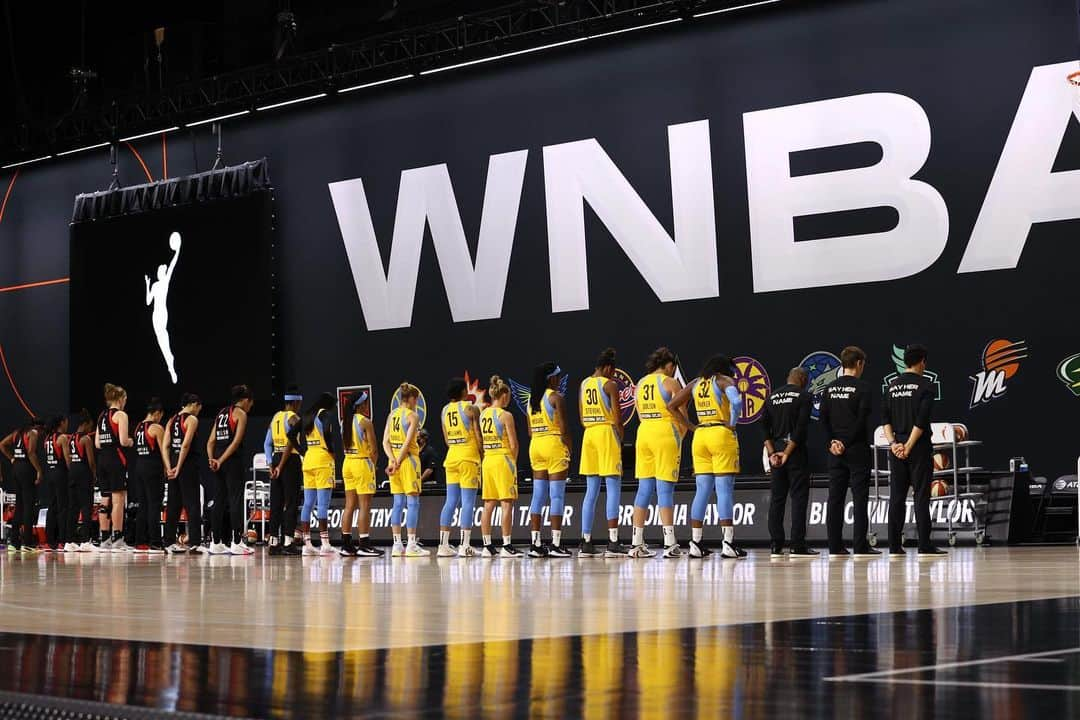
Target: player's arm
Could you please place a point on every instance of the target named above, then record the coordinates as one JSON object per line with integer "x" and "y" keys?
{"x": 895, "y": 447}
{"x": 238, "y": 437}
{"x": 97, "y": 438}
{"x": 65, "y": 449}
{"x": 125, "y": 439}
{"x": 5, "y": 446}
{"x": 923, "y": 411}
{"x": 410, "y": 436}
{"x": 560, "y": 412}
{"x": 511, "y": 434}
{"x": 391, "y": 462}
{"x": 797, "y": 438}
{"x": 211, "y": 445}
{"x": 581, "y": 402}
{"x": 158, "y": 434}
{"x": 292, "y": 444}
{"x": 91, "y": 455}
{"x": 191, "y": 423}
{"x": 442, "y": 423}
{"x": 680, "y": 396}
{"x": 474, "y": 424}
{"x": 611, "y": 389}
{"x": 31, "y": 455}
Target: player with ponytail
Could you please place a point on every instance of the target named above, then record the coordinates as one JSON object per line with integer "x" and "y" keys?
{"x": 549, "y": 455}
{"x": 110, "y": 439}
{"x": 361, "y": 453}
{"x": 403, "y": 451}
{"x": 499, "y": 469}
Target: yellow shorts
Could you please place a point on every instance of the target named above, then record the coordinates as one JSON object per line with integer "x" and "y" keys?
{"x": 658, "y": 451}
{"x": 359, "y": 475}
{"x": 549, "y": 454}
{"x": 465, "y": 473}
{"x": 716, "y": 451}
{"x": 321, "y": 478}
{"x": 407, "y": 478}
{"x": 600, "y": 452}
{"x": 500, "y": 478}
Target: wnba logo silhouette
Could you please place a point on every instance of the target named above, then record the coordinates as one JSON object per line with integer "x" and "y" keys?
{"x": 157, "y": 297}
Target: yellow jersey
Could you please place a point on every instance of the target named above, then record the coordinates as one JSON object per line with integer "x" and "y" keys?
{"x": 279, "y": 429}
{"x": 595, "y": 404}
{"x": 711, "y": 404}
{"x": 545, "y": 421}
{"x": 359, "y": 448}
{"x": 652, "y": 398}
{"x": 399, "y": 430}
{"x": 460, "y": 439}
{"x": 493, "y": 432}
{"x": 317, "y": 454}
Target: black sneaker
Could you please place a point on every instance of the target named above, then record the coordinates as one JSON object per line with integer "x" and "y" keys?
{"x": 510, "y": 551}
{"x": 587, "y": 549}
{"x": 293, "y": 549}
{"x": 273, "y": 549}
{"x": 348, "y": 549}
{"x": 838, "y": 554}
{"x": 777, "y": 551}
{"x": 558, "y": 551}
{"x": 616, "y": 550}
{"x": 931, "y": 553}
{"x": 537, "y": 551}
{"x": 697, "y": 550}
{"x": 897, "y": 553}
{"x": 802, "y": 553}
{"x": 866, "y": 554}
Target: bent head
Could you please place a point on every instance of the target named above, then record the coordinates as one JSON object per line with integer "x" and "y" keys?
{"x": 409, "y": 395}
{"x": 498, "y": 391}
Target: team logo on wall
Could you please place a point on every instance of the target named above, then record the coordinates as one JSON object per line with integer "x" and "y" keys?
{"x": 753, "y": 384}
{"x": 522, "y": 394}
{"x": 476, "y": 394}
{"x": 822, "y": 367}
{"x": 627, "y": 388}
{"x": 1000, "y": 359}
{"x": 345, "y": 393}
{"x": 898, "y": 362}
{"x": 421, "y": 404}
{"x": 1068, "y": 372}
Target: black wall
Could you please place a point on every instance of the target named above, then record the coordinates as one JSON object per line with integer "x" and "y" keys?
{"x": 966, "y": 62}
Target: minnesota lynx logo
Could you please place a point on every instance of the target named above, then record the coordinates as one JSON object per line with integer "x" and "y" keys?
{"x": 1001, "y": 360}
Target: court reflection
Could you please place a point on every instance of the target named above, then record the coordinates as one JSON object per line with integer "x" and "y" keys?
{"x": 743, "y": 671}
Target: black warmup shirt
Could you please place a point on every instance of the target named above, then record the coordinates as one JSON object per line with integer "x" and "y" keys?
{"x": 845, "y": 413}
{"x": 787, "y": 416}
{"x": 909, "y": 402}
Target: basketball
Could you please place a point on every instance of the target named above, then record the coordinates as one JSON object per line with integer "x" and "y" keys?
{"x": 251, "y": 536}
{"x": 939, "y": 488}
{"x": 174, "y": 241}
{"x": 960, "y": 432}
{"x": 942, "y": 461}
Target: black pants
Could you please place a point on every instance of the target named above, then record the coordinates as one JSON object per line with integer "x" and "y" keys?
{"x": 916, "y": 472}
{"x": 134, "y": 534}
{"x": 184, "y": 491}
{"x": 229, "y": 510}
{"x": 56, "y": 521}
{"x": 285, "y": 493}
{"x": 25, "y": 504}
{"x": 150, "y": 479}
{"x": 850, "y": 470}
{"x": 80, "y": 497}
{"x": 791, "y": 477}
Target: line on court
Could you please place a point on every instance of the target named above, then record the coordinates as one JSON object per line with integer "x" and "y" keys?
{"x": 889, "y": 675}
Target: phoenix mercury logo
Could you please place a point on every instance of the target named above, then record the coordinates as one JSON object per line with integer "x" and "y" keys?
{"x": 157, "y": 298}
{"x": 1000, "y": 359}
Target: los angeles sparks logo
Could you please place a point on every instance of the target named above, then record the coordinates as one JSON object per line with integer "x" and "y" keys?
{"x": 1001, "y": 359}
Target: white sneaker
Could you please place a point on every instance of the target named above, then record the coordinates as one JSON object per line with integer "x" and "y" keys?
{"x": 696, "y": 551}
{"x": 641, "y": 551}
{"x": 309, "y": 549}
{"x": 87, "y": 547}
{"x": 105, "y": 546}
{"x": 326, "y": 548}
{"x": 730, "y": 551}
{"x": 218, "y": 549}
{"x": 71, "y": 547}
{"x": 120, "y": 546}
{"x": 176, "y": 549}
{"x": 447, "y": 551}
{"x": 197, "y": 549}
{"x": 414, "y": 550}
{"x": 489, "y": 551}
{"x": 467, "y": 551}
{"x": 398, "y": 550}
{"x": 240, "y": 549}
{"x": 673, "y": 551}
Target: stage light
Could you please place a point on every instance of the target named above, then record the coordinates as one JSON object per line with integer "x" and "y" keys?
{"x": 148, "y": 134}
{"x": 24, "y": 162}
{"x": 373, "y": 84}
{"x": 291, "y": 102}
{"x": 737, "y": 7}
{"x": 218, "y": 118}
{"x": 88, "y": 147}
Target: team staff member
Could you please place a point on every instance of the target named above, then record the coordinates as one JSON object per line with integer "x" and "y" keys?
{"x": 361, "y": 451}
{"x": 549, "y": 456}
{"x": 845, "y": 417}
{"x": 151, "y": 466}
{"x": 83, "y": 471}
{"x": 223, "y": 448}
{"x": 906, "y": 414}
{"x": 499, "y": 468}
{"x": 785, "y": 420}
{"x": 399, "y": 442}
{"x": 319, "y": 471}
{"x": 658, "y": 449}
{"x": 601, "y": 453}
{"x": 57, "y": 461}
{"x": 183, "y": 475}
{"x": 461, "y": 431}
{"x": 110, "y": 439}
{"x": 281, "y": 446}
{"x": 21, "y": 448}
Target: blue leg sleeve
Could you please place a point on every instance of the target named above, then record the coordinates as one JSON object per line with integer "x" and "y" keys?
{"x": 725, "y": 496}
{"x": 309, "y": 502}
{"x": 665, "y": 493}
{"x": 412, "y": 516}
{"x": 468, "y": 507}
{"x": 701, "y": 497}
{"x": 453, "y": 497}
{"x": 540, "y": 496}
{"x": 614, "y": 497}
{"x": 645, "y": 489}
{"x": 588, "y": 505}
{"x": 397, "y": 510}
{"x": 558, "y": 497}
{"x": 323, "y": 503}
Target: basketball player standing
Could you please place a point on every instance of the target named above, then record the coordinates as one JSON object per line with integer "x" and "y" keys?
{"x": 785, "y": 420}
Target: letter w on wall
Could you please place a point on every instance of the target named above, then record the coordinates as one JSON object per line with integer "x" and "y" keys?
{"x": 426, "y": 197}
